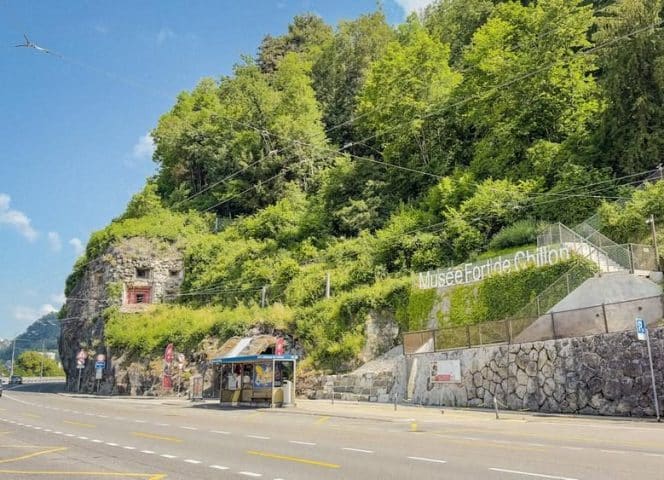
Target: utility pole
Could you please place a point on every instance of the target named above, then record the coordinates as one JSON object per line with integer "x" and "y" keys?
{"x": 13, "y": 352}
{"x": 327, "y": 285}
{"x": 41, "y": 371}
{"x": 263, "y": 296}
{"x": 651, "y": 221}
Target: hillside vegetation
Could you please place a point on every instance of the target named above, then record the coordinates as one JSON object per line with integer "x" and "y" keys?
{"x": 368, "y": 152}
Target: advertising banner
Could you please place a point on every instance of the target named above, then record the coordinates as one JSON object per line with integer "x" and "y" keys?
{"x": 263, "y": 375}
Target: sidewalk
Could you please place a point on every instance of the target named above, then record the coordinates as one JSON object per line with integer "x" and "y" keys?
{"x": 435, "y": 414}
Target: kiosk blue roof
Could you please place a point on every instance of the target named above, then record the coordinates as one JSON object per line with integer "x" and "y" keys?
{"x": 253, "y": 358}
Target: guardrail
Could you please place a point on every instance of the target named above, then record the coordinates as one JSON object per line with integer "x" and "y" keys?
{"x": 5, "y": 380}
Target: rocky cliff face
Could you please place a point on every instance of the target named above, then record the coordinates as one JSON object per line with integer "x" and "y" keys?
{"x": 130, "y": 274}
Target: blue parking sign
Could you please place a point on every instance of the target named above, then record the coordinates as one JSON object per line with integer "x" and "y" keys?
{"x": 641, "y": 328}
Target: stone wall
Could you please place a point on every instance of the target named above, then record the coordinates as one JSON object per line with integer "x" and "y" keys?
{"x": 103, "y": 284}
{"x": 599, "y": 375}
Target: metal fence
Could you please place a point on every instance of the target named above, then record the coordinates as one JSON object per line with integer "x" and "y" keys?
{"x": 604, "y": 318}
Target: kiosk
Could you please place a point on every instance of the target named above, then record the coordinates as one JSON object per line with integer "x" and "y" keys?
{"x": 257, "y": 380}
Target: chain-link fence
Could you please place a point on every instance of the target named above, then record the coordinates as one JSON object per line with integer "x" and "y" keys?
{"x": 604, "y": 318}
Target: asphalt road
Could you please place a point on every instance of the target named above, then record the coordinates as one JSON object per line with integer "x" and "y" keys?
{"x": 55, "y": 436}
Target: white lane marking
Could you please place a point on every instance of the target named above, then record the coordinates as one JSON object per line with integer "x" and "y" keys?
{"x": 106, "y": 416}
{"x": 573, "y": 448}
{"x": 70, "y": 434}
{"x": 357, "y": 450}
{"x": 163, "y": 424}
{"x": 258, "y": 437}
{"x": 189, "y": 460}
{"x": 110, "y": 444}
{"x": 251, "y": 474}
{"x": 297, "y": 442}
{"x": 530, "y": 474}
{"x": 619, "y": 452}
{"x": 82, "y": 438}
{"x": 169, "y": 456}
{"x": 58, "y": 433}
{"x": 653, "y": 455}
{"x": 219, "y": 467}
{"x": 189, "y": 428}
{"x": 149, "y": 452}
{"x": 38, "y": 428}
{"x": 424, "y": 459}
{"x": 221, "y": 432}
{"x": 97, "y": 441}
{"x": 129, "y": 448}
{"x": 140, "y": 421}
{"x": 48, "y": 430}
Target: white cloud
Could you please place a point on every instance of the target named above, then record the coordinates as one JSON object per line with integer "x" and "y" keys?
{"x": 164, "y": 34}
{"x": 144, "y": 148}
{"x": 58, "y": 298}
{"x": 54, "y": 241}
{"x": 77, "y": 244}
{"x": 29, "y": 314}
{"x": 409, "y": 6}
{"x": 16, "y": 219}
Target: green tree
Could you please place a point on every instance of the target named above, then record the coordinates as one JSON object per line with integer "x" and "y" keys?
{"x": 631, "y": 138}
{"x": 306, "y": 33}
{"x": 29, "y": 364}
{"x": 340, "y": 71}
{"x": 234, "y": 146}
{"x": 454, "y": 22}
{"x": 412, "y": 79}
{"x": 526, "y": 82}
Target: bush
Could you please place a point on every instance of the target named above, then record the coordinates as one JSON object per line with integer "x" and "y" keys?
{"x": 523, "y": 232}
{"x": 500, "y": 296}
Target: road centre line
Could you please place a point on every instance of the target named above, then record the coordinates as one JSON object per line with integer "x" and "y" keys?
{"x": 35, "y": 454}
{"x": 157, "y": 437}
{"x": 297, "y": 442}
{"x": 530, "y": 474}
{"x": 129, "y": 447}
{"x": 257, "y": 437}
{"x": 289, "y": 458}
{"x": 219, "y": 467}
{"x": 250, "y": 474}
{"x": 195, "y": 462}
{"x": 189, "y": 428}
{"x": 168, "y": 456}
{"x": 79, "y": 424}
{"x": 221, "y": 432}
{"x": 357, "y": 450}
{"x": 111, "y": 444}
{"x": 424, "y": 459}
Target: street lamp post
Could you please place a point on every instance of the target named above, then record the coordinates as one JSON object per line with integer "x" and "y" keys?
{"x": 651, "y": 221}
{"x": 11, "y": 373}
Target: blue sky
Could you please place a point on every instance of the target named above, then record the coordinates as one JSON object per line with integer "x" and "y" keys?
{"x": 73, "y": 128}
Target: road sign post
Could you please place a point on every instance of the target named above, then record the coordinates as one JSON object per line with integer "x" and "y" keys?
{"x": 643, "y": 334}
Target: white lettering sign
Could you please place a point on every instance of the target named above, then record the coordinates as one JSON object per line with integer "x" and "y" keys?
{"x": 446, "y": 371}
{"x": 475, "y": 272}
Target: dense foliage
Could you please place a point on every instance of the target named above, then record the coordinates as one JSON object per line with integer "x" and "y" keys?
{"x": 34, "y": 364}
{"x": 366, "y": 152}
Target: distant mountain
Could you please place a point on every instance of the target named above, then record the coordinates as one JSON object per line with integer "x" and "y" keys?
{"x": 46, "y": 329}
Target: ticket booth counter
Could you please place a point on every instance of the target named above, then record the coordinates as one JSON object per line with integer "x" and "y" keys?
{"x": 257, "y": 380}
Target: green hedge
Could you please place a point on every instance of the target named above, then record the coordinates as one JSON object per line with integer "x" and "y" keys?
{"x": 500, "y": 296}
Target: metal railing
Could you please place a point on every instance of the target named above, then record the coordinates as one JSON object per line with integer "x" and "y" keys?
{"x": 596, "y": 319}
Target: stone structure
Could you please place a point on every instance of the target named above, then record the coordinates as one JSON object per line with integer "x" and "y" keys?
{"x": 604, "y": 374}
{"x": 131, "y": 274}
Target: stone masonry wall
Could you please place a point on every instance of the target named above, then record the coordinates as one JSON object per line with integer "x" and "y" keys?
{"x": 600, "y": 375}
{"x": 103, "y": 284}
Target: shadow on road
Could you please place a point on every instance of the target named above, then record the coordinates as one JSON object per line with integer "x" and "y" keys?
{"x": 37, "y": 388}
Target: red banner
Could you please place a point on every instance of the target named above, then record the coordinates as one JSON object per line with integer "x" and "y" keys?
{"x": 169, "y": 354}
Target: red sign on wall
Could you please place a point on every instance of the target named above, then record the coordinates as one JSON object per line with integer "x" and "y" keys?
{"x": 280, "y": 347}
